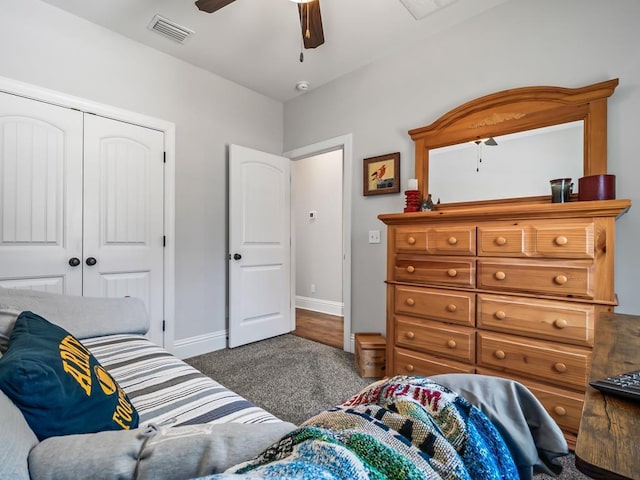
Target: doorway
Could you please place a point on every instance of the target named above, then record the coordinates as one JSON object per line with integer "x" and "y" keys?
{"x": 321, "y": 226}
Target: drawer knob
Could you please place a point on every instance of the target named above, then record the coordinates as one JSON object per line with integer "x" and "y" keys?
{"x": 499, "y": 354}
{"x": 409, "y": 367}
{"x": 452, "y": 272}
{"x": 501, "y": 241}
{"x": 451, "y": 308}
{"x": 411, "y": 241}
{"x": 452, "y": 240}
{"x": 500, "y": 275}
{"x": 410, "y": 301}
{"x": 560, "y": 323}
{"x": 410, "y": 335}
{"x": 500, "y": 315}
{"x": 560, "y": 411}
{"x": 411, "y": 269}
{"x": 561, "y": 241}
{"x": 561, "y": 279}
{"x": 560, "y": 367}
{"x": 452, "y": 344}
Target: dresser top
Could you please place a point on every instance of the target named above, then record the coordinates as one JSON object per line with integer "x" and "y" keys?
{"x": 511, "y": 211}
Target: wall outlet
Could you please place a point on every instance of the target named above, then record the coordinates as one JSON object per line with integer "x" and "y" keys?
{"x": 374, "y": 236}
{"x": 313, "y": 288}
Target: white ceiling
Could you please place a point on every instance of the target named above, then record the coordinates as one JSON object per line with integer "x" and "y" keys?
{"x": 256, "y": 43}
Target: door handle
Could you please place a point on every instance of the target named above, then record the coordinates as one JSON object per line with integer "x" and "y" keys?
{"x": 237, "y": 256}
{"x": 74, "y": 261}
{"x": 91, "y": 261}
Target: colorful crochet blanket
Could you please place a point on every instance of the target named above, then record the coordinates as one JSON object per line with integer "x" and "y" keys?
{"x": 399, "y": 428}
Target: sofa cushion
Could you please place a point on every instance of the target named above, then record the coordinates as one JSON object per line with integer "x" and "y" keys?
{"x": 169, "y": 453}
{"x": 84, "y": 317}
{"x": 8, "y": 317}
{"x": 17, "y": 439}
{"x": 58, "y": 384}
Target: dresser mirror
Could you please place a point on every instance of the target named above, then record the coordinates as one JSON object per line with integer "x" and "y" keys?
{"x": 514, "y": 165}
{"x": 541, "y": 133}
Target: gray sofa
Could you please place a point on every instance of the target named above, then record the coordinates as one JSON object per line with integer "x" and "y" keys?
{"x": 189, "y": 424}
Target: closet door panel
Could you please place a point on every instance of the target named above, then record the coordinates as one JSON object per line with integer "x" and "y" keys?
{"x": 40, "y": 195}
{"x": 123, "y": 217}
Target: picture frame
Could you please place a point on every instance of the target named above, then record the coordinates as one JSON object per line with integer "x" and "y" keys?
{"x": 381, "y": 174}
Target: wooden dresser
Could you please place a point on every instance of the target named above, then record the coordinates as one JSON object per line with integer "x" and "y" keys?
{"x": 512, "y": 290}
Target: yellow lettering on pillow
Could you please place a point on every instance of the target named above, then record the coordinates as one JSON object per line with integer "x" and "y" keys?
{"x": 83, "y": 380}
{"x": 71, "y": 344}
{"x": 79, "y": 363}
{"x": 75, "y": 360}
{"x": 122, "y": 415}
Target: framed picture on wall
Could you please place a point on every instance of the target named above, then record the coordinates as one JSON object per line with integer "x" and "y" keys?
{"x": 382, "y": 174}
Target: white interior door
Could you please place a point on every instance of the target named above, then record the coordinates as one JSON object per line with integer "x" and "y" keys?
{"x": 259, "y": 245}
{"x": 123, "y": 214}
{"x": 40, "y": 196}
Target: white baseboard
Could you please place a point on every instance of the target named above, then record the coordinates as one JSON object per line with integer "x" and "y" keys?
{"x": 318, "y": 305}
{"x": 199, "y": 345}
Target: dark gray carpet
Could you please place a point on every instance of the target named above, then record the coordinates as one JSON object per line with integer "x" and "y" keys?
{"x": 289, "y": 376}
{"x": 295, "y": 378}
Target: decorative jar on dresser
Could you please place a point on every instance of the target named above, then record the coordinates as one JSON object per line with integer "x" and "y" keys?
{"x": 511, "y": 287}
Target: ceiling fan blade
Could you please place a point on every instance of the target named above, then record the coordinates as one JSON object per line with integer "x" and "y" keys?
{"x": 311, "y": 24}
{"x": 211, "y": 6}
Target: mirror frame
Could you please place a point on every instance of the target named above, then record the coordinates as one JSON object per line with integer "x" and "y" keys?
{"x": 517, "y": 110}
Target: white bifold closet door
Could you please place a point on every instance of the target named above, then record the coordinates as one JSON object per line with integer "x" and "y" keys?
{"x": 81, "y": 204}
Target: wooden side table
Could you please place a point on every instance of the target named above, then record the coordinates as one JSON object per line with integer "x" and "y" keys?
{"x": 609, "y": 436}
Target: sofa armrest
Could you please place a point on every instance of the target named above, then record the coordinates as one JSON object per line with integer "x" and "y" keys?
{"x": 84, "y": 317}
{"x": 169, "y": 453}
{"x": 16, "y": 438}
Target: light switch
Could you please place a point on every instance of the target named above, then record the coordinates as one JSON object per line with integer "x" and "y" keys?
{"x": 374, "y": 236}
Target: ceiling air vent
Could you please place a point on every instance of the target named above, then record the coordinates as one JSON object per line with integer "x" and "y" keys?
{"x": 169, "y": 29}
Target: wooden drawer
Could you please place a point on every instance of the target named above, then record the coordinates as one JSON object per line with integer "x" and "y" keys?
{"x": 573, "y": 240}
{"x": 562, "y": 365}
{"x": 410, "y": 240}
{"x": 449, "y": 240}
{"x": 564, "y": 406}
{"x": 412, "y": 363}
{"x": 503, "y": 240}
{"x": 437, "y": 338}
{"x": 568, "y": 279}
{"x": 548, "y": 319}
{"x": 459, "y": 240}
{"x": 448, "y": 271}
{"x": 445, "y": 305}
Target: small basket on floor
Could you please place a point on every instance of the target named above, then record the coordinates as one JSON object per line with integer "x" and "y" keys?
{"x": 370, "y": 355}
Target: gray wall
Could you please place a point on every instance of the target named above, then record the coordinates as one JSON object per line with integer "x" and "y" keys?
{"x": 47, "y": 47}
{"x": 317, "y": 186}
{"x": 568, "y": 43}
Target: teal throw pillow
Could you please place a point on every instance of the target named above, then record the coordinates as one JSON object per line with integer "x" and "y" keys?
{"x": 58, "y": 384}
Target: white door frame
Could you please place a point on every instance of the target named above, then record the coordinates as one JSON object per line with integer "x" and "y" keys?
{"x": 34, "y": 92}
{"x": 346, "y": 143}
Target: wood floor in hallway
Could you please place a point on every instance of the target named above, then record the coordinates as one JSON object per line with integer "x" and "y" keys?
{"x": 319, "y": 327}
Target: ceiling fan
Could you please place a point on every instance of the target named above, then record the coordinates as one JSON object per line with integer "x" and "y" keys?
{"x": 308, "y": 10}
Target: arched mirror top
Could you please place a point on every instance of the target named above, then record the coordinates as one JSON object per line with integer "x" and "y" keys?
{"x": 520, "y": 110}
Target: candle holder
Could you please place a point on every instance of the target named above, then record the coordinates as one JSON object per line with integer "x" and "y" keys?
{"x": 412, "y": 201}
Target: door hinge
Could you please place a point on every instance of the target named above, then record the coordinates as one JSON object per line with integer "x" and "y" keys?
{"x": 164, "y": 325}
{"x": 164, "y": 240}
{"x": 164, "y": 157}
